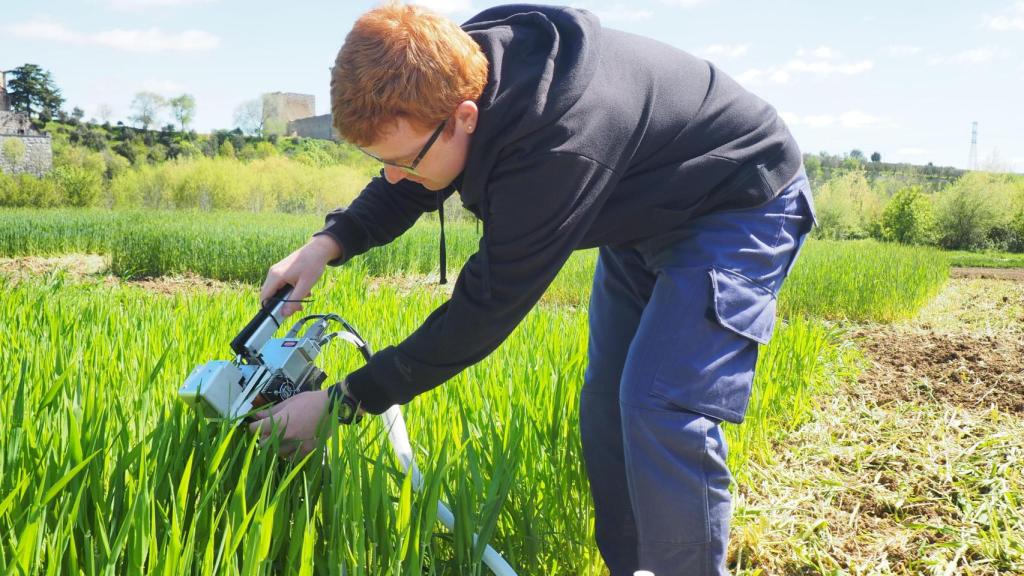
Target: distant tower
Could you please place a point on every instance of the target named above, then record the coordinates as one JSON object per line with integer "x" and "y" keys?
{"x": 972, "y": 162}
{"x": 4, "y": 103}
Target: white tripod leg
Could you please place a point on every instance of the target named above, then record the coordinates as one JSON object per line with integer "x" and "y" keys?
{"x": 399, "y": 438}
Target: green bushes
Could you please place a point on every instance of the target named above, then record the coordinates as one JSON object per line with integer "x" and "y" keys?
{"x": 908, "y": 218}
{"x": 25, "y": 190}
{"x": 847, "y": 208}
{"x": 268, "y": 183}
{"x": 78, "y": 186}
{"x": 980, "y": 210}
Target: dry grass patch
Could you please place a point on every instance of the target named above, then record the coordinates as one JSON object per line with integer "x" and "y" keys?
{"x": 94, "y": 268}
{"x": 900, "y": 489}
{"x": 913, "y": 469}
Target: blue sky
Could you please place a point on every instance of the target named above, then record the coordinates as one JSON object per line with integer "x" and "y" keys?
{"x": 904, "y": 79}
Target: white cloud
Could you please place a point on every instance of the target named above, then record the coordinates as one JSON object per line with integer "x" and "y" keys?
{"x": 897, "y": 50}
{"x": 617, "y": 12}
{"x": 447, "y": 6}
{"x": 164, "y": 87}
{"x": 45, "y": 29}
{"x": 825, "y": 68}
{"x": 150, "y": 40}
{"x": 141, "y": 4}
{"x": 683, "y": 3}
{"x": 1011, "y": 19}
{"x": 822, "y": 64}
{"x": 155, "y": 40}
{"x": 972, "y": 56}
{"x": 724, "y": 50}
{"x": 858, "y": 119}
{"x": 913, "y": 152}
{"x": 849, "y": 119}
{"x": 821, "y": 53}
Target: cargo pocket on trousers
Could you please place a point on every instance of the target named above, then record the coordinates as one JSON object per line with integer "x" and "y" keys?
{"x": 742, "y": 305}
{"x": 709, "y": 366}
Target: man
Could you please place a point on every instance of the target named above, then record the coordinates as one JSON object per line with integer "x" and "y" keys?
{"x": 559, "y": 135}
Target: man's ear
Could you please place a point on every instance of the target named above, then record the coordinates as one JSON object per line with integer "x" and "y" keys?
{"x": 466, "y": 115}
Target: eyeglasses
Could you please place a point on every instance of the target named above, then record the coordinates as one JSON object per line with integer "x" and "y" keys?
{"x": 411, "y": 168}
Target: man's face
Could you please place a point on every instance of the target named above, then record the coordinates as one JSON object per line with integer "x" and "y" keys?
{"x": 442, "y": 163}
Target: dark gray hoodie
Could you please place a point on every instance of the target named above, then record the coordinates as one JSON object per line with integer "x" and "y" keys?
{"x": 586, "y": 137}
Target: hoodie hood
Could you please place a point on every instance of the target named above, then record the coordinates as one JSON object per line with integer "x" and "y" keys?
{"x": 542, "y": 59}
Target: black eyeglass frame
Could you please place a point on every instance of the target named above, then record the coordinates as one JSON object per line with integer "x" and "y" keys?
{"x": 411, "y": 168}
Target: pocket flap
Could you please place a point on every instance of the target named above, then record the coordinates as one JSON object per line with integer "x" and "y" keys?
{"x": 742, "y": 305}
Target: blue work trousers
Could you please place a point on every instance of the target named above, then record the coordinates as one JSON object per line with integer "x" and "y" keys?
{"x": 675, "y": 325}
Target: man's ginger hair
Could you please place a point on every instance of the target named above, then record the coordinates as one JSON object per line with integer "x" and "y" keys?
{"x": 402, "y": 61}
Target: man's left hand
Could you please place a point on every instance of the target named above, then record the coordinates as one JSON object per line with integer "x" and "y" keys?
{"x": 299, "y": 419}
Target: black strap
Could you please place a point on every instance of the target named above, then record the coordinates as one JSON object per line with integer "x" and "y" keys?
{"x": 444, "y": 255}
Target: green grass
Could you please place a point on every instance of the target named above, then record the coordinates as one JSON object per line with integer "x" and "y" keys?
{"x": 102, "y": 469}
{"x": 862, "y": 280}
{"x": 961, "y": 258}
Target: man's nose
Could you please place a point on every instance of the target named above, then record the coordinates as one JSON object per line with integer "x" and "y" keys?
{"x": 393, "y": 174}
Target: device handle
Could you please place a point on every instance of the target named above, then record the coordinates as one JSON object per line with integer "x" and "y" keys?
{"x": 268, "y": 311}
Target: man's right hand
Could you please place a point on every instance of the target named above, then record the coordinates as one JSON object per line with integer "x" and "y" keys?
{"x": 302, "y": 268}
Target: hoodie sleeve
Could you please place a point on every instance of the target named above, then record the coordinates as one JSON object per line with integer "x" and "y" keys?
{"x": 536, "y": 212}
{"x": 381, "y": 213}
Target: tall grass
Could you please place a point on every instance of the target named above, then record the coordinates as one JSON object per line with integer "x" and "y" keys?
{"x": 863, "y": 280}
{"x": 102, "y": 470}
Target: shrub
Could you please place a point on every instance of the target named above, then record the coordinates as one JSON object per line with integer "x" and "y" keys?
{"x": 78, "y": 186}
{"x": 970, "y": 213}
{"x": 13, "y": 151}
{"x": 226, "y": 149}
{"x": 847, "y": 207}
{"x": 908, "y": 218}
{"x": 1016, "y": 243}
{"x": 25, "y": 190}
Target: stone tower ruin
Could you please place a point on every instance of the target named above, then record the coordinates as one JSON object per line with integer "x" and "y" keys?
{"x": 280, "y": 108}
{"x": 5, "y": 105}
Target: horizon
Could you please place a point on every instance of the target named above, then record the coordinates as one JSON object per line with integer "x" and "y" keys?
{"x": 906, "y": 83}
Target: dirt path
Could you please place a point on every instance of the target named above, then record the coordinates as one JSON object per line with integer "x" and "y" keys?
{"x": 93, "y": 268}
{"x": 916, "y": 468}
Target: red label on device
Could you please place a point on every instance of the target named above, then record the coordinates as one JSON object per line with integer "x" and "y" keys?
{"x": 289, "y": 343}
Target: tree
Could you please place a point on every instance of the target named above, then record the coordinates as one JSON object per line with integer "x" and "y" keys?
{"x": 146, "y": 107}
{"x": 876, "y": 157}
{"x": 183, "y": 108}
{"x": 32, "y": 90}
{"x": 857, "y": 155}
{"x": 249, "y": 117}
{"x": 104, "y": 112}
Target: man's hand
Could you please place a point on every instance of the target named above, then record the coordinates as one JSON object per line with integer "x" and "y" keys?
{"x": 302, "y": 268}
{"x": 299, "y": 418}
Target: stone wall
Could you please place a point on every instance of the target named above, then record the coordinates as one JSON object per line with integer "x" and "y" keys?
{"x": 23, "y": 150}
{"x": 36, "y": 154}
{"x": 280, "y": 108}
{"x": 16, "y": 123}
{"x": 313, "y": 127}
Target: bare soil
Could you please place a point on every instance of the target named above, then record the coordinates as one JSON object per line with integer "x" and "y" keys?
{"x": 920, "y": 365}
{"x": 1016, "y": 274}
